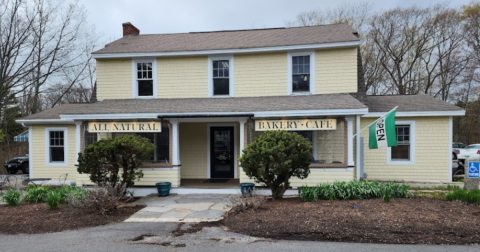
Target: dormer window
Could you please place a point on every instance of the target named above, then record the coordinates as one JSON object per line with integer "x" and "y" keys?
{"x": 301, "y": 73}
{"x": 144, "y": 75}
{"x": 221, "y": 77}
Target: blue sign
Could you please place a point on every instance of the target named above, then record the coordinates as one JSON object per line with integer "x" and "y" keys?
{"x": 473, "y": 169}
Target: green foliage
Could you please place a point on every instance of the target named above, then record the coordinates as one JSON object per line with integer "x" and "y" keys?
{"x": 37, "y": 194}
{"x": 75, "y": 191}
{"x": 103, "y": 159}
{"x": 1, "y": 135}
{"x": 443, "y": 188}
{"x": 275, "y": 157}
{"x": 472, "y": 196}
{"x": 354, "y": 190}
{"x": 12, "y": 197}
{"x": 53, "y": 199}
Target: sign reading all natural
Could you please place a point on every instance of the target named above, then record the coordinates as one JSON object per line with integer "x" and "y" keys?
{"x": 305, "y": 124}
{"x": 95, "y": 127}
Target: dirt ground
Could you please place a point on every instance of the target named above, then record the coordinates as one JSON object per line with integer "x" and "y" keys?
{"x": 36, "y": 218}
{"x": 402, "y": 221}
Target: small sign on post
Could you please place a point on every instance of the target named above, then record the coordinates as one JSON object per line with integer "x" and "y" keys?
{"x": 472, "y": 171}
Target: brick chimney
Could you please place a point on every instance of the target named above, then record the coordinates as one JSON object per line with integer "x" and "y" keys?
{"x": 130, "y": 30}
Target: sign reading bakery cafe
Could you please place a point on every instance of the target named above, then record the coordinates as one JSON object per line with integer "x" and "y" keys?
{"x": 304, "y": 124}
{"x": 96, "y": 127}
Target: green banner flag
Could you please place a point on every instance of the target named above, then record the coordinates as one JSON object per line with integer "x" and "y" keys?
{"x": 382, "y": 133}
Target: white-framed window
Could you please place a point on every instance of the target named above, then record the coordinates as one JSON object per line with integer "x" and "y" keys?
{"x": 144, "y": 78}
{"x": 56, "y": 141}
{"x": 220, "y": 76}
{"x": 404, "y": 152}
{"x": 301, "y": 73}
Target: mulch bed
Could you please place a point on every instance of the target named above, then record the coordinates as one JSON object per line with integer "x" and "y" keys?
{"x": 36, "y": 218}
{"x": 402, "y": 221}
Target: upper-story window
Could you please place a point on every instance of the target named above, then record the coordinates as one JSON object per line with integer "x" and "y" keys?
{"x": 220, "y": 76}
{"x": 301, "y": 73}
{"x": 144, "y": 79}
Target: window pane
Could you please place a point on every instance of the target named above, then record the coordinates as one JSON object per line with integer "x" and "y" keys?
{"x": 301, "y": 83}
{"x": 306, "y": 68}
{"x": 151, "y": 138}
{"x": 149, "y": 74}
{"x": 215, "y": 64}
{"x": 401, "y": 152}
{"x": 139, "y": 66}
{"x": 221, "y": 86}
{"x": 145, "y": 88}
{"x": 56, "y": 154}
{"x": 149, "y": 66}
{"x": 90, "y": 138}
{"x": 163, "y": 145}
{"x": 295, "y": 60}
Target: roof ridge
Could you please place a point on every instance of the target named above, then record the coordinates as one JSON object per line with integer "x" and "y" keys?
{"x": 240, "y": 30}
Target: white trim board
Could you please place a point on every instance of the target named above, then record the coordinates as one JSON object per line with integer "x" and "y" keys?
{"x": 229, "y": 51}
{"x": 419, "y": 113}
{"x": 235, "y": 142}
{"x": 280, "y": 113}
{"x": 30, "y": 152}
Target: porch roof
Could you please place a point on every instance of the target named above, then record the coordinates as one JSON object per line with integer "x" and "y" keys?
{"x": 227, "y": 106}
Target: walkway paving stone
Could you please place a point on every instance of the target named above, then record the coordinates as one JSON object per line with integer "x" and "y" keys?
{"x": 182, "y": 208}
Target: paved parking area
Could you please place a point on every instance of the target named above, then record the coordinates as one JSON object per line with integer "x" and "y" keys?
{"x": 182, "y": 208}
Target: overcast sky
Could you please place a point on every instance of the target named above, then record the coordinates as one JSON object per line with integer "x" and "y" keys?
{"x": 174, "y": 16}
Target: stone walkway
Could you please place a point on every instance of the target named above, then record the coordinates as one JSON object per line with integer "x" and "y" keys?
{"x": 182, "y": 208}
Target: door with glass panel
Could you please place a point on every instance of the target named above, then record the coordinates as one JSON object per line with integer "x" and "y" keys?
{"x": 222, "y": 152}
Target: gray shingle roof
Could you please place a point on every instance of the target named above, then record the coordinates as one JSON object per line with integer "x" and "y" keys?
{"x": 205, "y": 105}
{"x": 408, "y": 103}
{"x": 239, "y": 39}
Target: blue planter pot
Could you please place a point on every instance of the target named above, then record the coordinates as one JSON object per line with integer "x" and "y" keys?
{"x": 247, "y": 188}
{"x": 163, "y": 188}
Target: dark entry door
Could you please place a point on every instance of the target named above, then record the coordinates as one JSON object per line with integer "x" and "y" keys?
{"x": 222, "y": 152}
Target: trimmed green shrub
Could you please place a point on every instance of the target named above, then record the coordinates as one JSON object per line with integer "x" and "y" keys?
{"x": 354, "y": 190}
{"x": 472, "y": 196}
{"x": 276, "y": 156}
{"x": 12, "y": 197}
{"x": 36, "y": 194}
{"x": 103, "y": 160}
{"x": 53, "y": 199}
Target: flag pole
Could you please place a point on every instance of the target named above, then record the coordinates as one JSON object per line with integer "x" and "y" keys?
{"x": 375, "y": 121}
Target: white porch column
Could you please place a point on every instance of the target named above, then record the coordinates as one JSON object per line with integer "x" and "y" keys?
{"x": 358, "y": 149}
{"x": 242, "y": 134}
{"x": 175, "y": 143}
{"x": 78, "y": 128}
{"x": 350, "y": 140}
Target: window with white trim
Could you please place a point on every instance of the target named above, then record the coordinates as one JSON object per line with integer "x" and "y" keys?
{"x": 220, "y": 76}
{"x": 56, "y": 146}
{"x": 301, "y": 72}
{"x": 404, "y": 152}
{"x": 145, "y": 78}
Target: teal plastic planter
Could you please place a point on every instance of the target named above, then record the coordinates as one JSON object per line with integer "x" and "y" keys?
{"x": 247, "y": 188}
{"x": 163, "y": 188}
